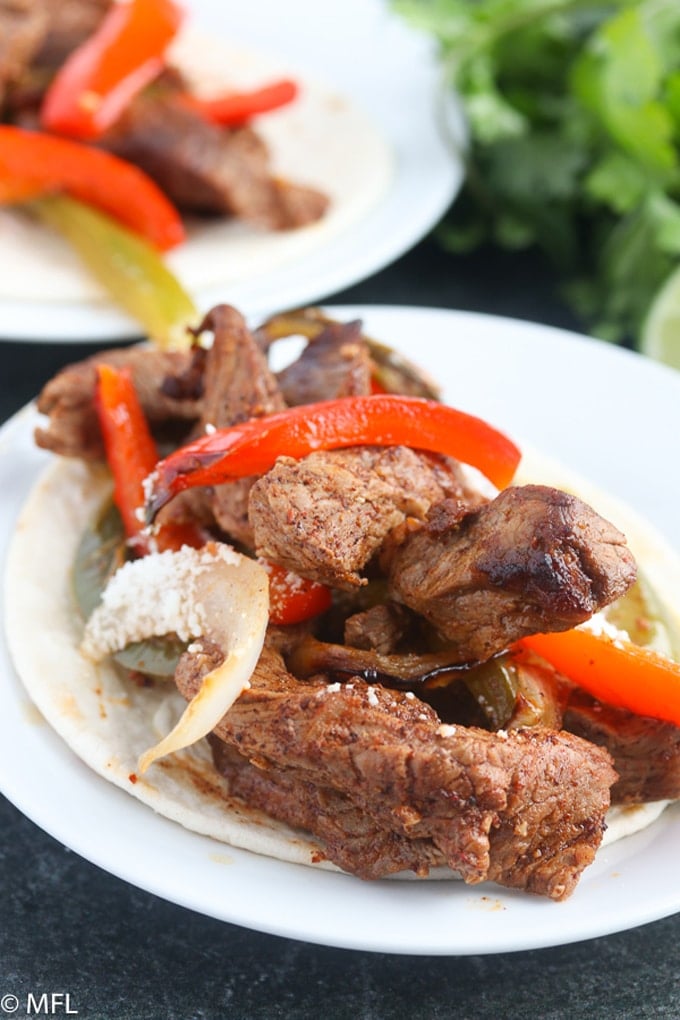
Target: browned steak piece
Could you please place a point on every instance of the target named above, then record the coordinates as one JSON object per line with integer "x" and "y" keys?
{"x": 70, "y": 22}
{"x": 325, "y": 516}
{"x": 351, "y": 839}
{"x": 646, "y": 752}
{"x": 381, "y": 628}
{"x": 238, "y": 385}
{"x": 336, "y": 363}
{"x": 68, "y": 398}
{"x": 204, "y": 168}
{"x": 36, "y": 37}
{"x": 23, "y": 24}
{"x": 533, "y": 559}
{"x": 524, "y": 808}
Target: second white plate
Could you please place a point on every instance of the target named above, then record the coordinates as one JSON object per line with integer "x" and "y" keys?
{"x": 356, "y": 49}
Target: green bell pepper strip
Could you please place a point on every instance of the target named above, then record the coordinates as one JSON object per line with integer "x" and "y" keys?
{"x": 127, "y": 266}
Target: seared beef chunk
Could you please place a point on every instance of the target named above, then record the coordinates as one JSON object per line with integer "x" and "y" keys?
{"x": 534, "y": 559}
{"x": 325, "y": 516}
{"x": 351, "y": 838}
{"x": 23, "y": 24}
{"x": 525, "y": 809}
{"x": 204, "y": 168}
{"x": 380, "y": 628}
{"x": 36, "y": 36}
{"x": 389, "y": 368}
{"x": 237, "y": 386}
{"x": 68, "y": 399}
{"x": 334, "y": 364}
{"x": 70, "y": 22}
{"x": 646, "y": 752}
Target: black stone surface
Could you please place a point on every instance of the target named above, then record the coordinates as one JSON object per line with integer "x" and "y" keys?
{"x": 118, "y": 953}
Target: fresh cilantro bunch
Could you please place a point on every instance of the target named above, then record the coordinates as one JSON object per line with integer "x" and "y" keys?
{"x": 573, "y": 113}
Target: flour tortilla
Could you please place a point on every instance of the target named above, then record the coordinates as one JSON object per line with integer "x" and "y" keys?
{"x": 320, "y": 140}
{"x": 109, "y": 722}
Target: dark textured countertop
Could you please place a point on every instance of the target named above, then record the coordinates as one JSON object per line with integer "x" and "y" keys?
{"x": 100, "y": 948}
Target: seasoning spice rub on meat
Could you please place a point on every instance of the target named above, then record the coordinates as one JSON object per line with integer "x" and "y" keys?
{"x": 394, "y": 711}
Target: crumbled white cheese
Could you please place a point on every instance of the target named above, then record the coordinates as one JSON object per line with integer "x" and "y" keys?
{"x": 152, "y": 596}
{"x": 599, "y": 625}
{"x": 373, "y": 699}
{"x": 445, "y": 730}
{"x": 149, "y": 486}
{"x": 213, "y": 592}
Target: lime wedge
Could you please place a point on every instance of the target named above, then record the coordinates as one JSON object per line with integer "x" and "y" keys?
{"x": 660, "y": 338}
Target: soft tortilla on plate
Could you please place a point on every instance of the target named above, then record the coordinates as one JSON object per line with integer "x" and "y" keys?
{"x": 109, "y": 722}
{"x": 320, "y": 140}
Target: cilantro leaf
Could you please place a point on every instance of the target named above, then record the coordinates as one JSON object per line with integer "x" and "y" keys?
{"x": 573, "y": 112}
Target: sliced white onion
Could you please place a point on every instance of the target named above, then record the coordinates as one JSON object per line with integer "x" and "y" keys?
{"x": 212, "y": 592}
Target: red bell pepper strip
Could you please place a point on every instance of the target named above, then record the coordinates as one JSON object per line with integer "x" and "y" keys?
{"x": 234, "y": 108}
{"x": 101, "y": 76}
{"x": 381, "y": 420}
{"x": 292, "y": 598}
{"x": 614, "y": 671}
{"x": 131, "y": 453}
{"x": 33, "y": 161}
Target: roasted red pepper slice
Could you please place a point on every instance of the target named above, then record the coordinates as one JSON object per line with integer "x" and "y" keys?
{"x": 131, "y": 454}
{"x": 614, "y": 671}
{"x": 234, "y": 108}
{"x": 32, "y": 162}
{"x": 292, "y": 598}
{"x": 380, "y": 420}
{"x": 100, "y": 77}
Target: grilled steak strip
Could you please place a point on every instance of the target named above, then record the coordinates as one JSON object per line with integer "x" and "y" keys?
{"x": 533, "y": 559}
{"x": 380, "y": 628}
{"x": 325, "y": 516}
{"x": 350, "y": 837}
{"x": 23, "y": 24}
{"x": 68, "y": 399}
{"x": 36, "y": 37}
{"x": 70, "y": 23}
{"x": 204, "y": 168}
{"x": 238, "y": 385}
{"x": 524, "y": 808}
{"x": 646, "y": 752}
{"x": 336, "y": 363}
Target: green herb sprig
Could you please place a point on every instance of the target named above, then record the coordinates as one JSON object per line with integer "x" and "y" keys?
{"x": 573, "y": 115}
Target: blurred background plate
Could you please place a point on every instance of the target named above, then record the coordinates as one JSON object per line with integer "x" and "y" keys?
{"x": 355, "y": 48}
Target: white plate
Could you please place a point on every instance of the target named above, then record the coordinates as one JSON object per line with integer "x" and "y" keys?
{"x": 599, "y": 410}
{"x": 354, "y": 48}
